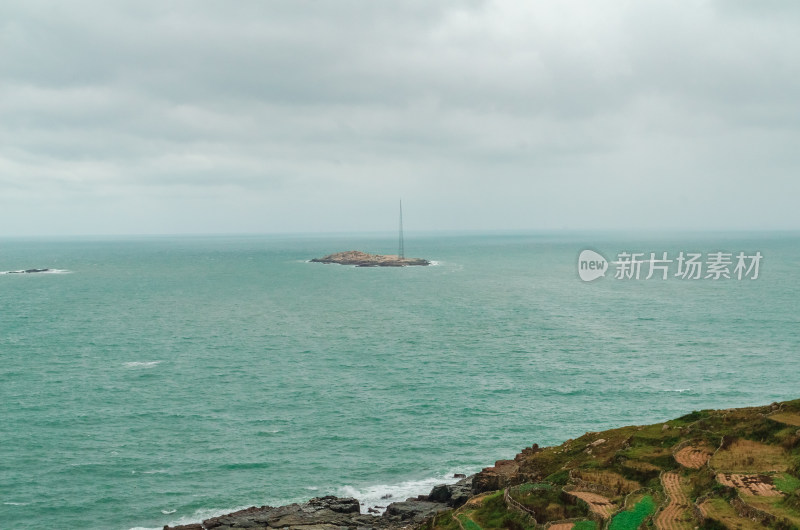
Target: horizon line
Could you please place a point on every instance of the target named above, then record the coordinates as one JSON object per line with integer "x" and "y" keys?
{"x": 492, "y": 231}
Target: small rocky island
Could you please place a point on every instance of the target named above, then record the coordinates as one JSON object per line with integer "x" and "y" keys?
{"x": 362, "y": 259}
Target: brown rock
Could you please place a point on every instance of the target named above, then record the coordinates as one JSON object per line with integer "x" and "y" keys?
{"x": 494, "y": 478}
{"x": 362, "y": 259}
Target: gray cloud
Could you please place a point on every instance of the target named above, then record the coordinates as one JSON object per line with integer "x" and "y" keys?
{"x": 132, "y": 117}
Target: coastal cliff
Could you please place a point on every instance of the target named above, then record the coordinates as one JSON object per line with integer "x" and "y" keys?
{"x": 362, "y": 259}
{"x": 732, "y": 468}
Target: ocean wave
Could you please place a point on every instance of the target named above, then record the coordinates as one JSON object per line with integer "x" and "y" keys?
{"x": 197, "y": 516}
{"x": 141, "y": 364}
{"x": 246, "y": 465}
{"x": 626, "y": 392}
{"x": 271, "y": 432}
{"x": 379, "y": 496}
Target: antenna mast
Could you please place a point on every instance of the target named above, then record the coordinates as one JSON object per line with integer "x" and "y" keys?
{"x": 401, "y": 251}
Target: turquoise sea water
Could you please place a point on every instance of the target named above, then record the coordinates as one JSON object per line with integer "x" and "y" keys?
{"x": 167, "y": 379}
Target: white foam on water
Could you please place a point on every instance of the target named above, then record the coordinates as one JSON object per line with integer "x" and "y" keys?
{"x": 379, "y": 496}
{"x": 434, "y": 263}
{"x": 15, "y": 503}
{"x": 196, "y": 517}
{"x": 141, "y": 364}
{"x": 368, "y": 497}
{"x": 168, "y": 512}
{"x": 154, "y": 472}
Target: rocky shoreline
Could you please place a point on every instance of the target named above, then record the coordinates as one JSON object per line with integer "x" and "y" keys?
{"x": 362, "y": 259}
{"x": 708, "y": 469}
{"x": 322, "y": 513}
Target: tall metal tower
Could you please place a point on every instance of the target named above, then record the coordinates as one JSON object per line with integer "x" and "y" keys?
{"x": 401, "y": 251}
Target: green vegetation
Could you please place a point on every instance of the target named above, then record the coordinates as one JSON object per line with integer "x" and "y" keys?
{"x": 694, "y": 416}
{"x": 631, "y": 519}
{"x": 778, "y": 507}
{"x": 747, "y": 456}
{"x": 525, "y": 488}
{"x": 442, "y": 521}
{"x": 787, "y": 418}
{"x": 639, "y": 471}
{"x": 585, "y": 525}
{"x": 493, "y": 513}
{"x": 787, "y": 483}
{"x": 722, "y": 515}
{"x": 661, "y": 457}
{"x": 559, "y": 477}
{"x": 548, "y": 503}
{"x": 701, "y": 482}
{"x": 468, "y": 523}
{"x": 613, "y": 481}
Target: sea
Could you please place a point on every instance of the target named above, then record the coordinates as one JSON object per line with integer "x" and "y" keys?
{"x": 161, "y": 380}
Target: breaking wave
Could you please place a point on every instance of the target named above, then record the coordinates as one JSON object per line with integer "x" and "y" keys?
{"x": 141, "y": 364}
{"x": 379, "y": 496}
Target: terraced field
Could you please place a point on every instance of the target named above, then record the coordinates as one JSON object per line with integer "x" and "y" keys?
{"x": 723, "y": 512}
{"x": 788, "y": 418}
{"x": 756, "y": 485}
{"x": 775, "y": 506}
{"x": 598, "y": 504}
{"x": 612, "y": 481}
{"x": 693, "y": 457}
{"x": 747, "y": 456}
{"x": 676, "y": 515}
{"x": 755, "y": 471}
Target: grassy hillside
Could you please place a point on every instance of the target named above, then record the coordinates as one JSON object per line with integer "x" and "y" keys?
{"x": 735, "y": 468}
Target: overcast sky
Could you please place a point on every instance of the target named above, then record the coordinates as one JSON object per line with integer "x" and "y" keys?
{"x": 137, "y": 117}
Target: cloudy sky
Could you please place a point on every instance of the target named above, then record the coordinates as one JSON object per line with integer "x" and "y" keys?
{"x": 137, "y": 117}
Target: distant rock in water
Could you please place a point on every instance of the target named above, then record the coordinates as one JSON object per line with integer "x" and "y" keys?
{"x": 362, "y": 259}
{"x": 28, "y": 271}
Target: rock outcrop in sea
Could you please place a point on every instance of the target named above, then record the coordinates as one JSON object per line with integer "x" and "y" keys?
{"x": 362, "y": 259}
